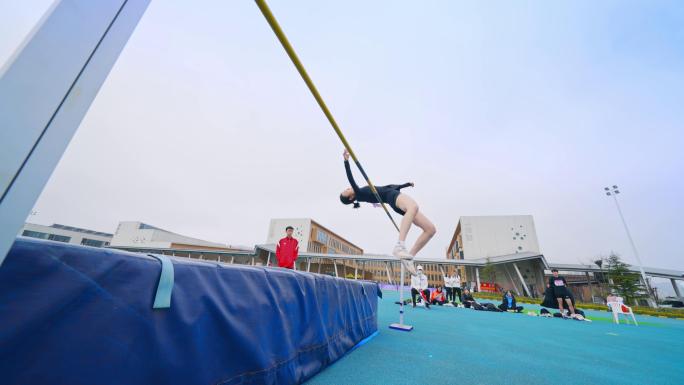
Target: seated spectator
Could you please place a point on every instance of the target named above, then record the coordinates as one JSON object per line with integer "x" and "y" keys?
{"x": 470, "y": 303}
{"x": 438, "y": 297}
{"x": 468, "y": 300}
{"x": 419, "y": 286}
{"x": 550, "y": 302}
{"x": 508, "y": 303}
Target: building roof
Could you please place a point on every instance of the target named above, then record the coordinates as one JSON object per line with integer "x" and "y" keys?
{"x": 650, "y": 271}
{"x": 480, "y": 262}
{"x": 80, "y": 230}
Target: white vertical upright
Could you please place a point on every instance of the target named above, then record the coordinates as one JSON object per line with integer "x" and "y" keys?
{"x": 46, "y": 91}
{"x": 401, "y": 326}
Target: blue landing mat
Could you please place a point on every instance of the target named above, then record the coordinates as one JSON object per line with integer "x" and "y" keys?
{"x": 80, "y": 315}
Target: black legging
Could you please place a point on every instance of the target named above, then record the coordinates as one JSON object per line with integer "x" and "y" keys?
{"x": 505, "y": 308}
{"x": 414, "y": 293}
{"x": 450, "y": 294}
{"x": 457, "y": 290}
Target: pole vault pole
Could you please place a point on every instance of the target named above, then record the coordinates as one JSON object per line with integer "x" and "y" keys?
{"x": 266, "y": 11}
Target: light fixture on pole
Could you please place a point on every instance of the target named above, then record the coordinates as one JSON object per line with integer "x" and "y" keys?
{"x": 613, "y": 192}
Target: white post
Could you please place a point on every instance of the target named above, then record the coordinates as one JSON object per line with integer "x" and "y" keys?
{"x": 308, "y": 265}
{"x": 401, "y": 326}
{"x": 510, "y": 278}
{"x": 268, "y": 259}
{"x": 356, "y": 269}
{"x": 389, "y": 277}
{"x": 676, "y": 288}
{"x": 477, "y": 277}
{"x": 41, "y": 106}
{"x": 517, "y": 270}
{"x": 335, "y": 264}
{"x": 401, "y": 296}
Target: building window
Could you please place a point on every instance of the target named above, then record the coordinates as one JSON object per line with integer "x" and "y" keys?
{"x": 59, "y": 238}
{"x": 92, "y": 242}
{"x": 34, "y": 234}
{"x": 322, "y": 237}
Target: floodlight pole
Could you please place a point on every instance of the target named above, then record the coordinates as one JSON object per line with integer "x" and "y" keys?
{"x": 613, "y": 192}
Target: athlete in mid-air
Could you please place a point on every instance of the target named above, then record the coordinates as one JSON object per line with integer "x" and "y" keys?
{"x": 402, "y": 204}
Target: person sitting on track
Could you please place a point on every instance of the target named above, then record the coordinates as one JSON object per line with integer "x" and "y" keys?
{"x": 402, "y": 204}
{"x": 438, "y": 297}
{"x": 470, "y": 303}
{"x": 560, "y": 291}
{"x": 551, "y": 303}
{"x": 468, "y": 300}
{"x": 508, "y": 303}
{"x": 419, "y": 286}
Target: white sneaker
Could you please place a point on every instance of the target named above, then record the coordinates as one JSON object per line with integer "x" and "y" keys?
{"x": 401, "y": 252}
{"x": 409, "y": 266}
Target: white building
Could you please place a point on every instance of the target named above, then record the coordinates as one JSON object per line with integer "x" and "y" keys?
{"x": 67, "y": 234}
{"x": 142, "y": 235}
{"x": 312, "y": 236}
{"x": 491, "y": 236}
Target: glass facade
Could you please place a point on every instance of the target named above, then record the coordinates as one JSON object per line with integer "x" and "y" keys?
{"x": 59, "y": 238}
{"x": 35, "y": 234}
{"x": 92, "y": 242}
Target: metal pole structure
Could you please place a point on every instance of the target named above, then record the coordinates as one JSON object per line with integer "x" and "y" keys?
{"x": 522, "y": 280}
{"x": 613, "y": 192}
{"x": 389, "y": 278}
{"x": 401, "y": 326}
{"x": 308, "y": 265}
{"x": 46, "y": 91}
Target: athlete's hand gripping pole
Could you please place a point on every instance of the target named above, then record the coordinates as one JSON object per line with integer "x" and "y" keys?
{"x": 265, "y": 10}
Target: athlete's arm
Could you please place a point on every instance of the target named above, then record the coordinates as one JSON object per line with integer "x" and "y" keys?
{"x": 350, "y": 177}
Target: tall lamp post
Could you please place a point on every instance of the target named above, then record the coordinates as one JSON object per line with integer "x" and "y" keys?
{"x": 613, "y": 192}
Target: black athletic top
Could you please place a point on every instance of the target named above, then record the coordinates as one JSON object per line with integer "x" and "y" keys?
{"x": 388, "y": 193}
{"x": 559, "y": 286}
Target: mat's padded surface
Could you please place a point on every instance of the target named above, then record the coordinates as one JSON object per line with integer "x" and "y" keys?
{"x": 80, "y": 315}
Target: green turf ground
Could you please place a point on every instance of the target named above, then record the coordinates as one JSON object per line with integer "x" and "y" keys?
{"x": 463, "y": 346}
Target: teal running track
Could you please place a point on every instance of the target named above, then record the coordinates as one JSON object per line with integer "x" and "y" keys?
{"x": 463, "y": 346}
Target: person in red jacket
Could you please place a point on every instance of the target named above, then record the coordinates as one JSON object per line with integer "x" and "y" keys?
{"x": 438, "y": 297}
{"x": 287, "y": 250}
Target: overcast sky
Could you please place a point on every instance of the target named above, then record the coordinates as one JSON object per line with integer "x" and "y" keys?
{"x": 204, "y": 127}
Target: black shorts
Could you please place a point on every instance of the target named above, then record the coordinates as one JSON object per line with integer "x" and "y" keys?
{"x": 561, "y": 292}
{"x": 392, "y": 201}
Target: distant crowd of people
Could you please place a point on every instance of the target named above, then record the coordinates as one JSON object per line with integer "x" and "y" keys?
{"x": 556, "y": 296}
{"x": 452, "y": 293}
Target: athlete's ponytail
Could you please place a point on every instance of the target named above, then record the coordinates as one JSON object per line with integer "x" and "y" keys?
{"x": 347, "y": 201}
